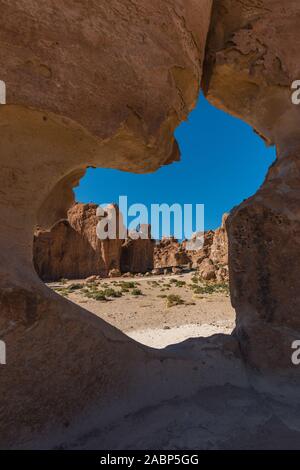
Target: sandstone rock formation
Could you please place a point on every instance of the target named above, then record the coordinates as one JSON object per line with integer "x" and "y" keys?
{"x": 62, "y": 253}
{"x": 72, "y": 250}
{"x": 67, "y": 109}
{"x": 170, "y": 253}
{"x": 197, "y": 256}
{"x": 137, "y": 255}
{"x": 211, "y": 261}
{"x": 252, "y": 60}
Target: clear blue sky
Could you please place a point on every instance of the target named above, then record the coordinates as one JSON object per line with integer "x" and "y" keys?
{"x": 222, "y": 163}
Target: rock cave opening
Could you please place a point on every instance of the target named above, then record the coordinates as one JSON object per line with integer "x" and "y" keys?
{"x": 156, "y": 291}
{"x": 105, "y": 85}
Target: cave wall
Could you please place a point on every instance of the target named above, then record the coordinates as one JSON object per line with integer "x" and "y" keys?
{"x": 67, "y": 109}
{"x": 252, "y": 59}
{"x": 88, "y": 84}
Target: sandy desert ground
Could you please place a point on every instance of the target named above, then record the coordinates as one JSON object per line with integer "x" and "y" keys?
{"x": 192, "y": 322}
{"x": 157, "y": 310}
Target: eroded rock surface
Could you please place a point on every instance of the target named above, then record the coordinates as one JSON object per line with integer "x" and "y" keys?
{"x": 252, "y": 60}
{"x": 68, "y": 109}
{"x": 72, "y": 250}
{"x": 169, "y": 253}
{"x": 210, "y": 261}
{"x": 137, "y": 255}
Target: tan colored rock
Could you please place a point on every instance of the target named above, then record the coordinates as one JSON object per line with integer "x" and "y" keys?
{"x": 114, "y": 273}
{"x": 219, "y": 247}
{"x": 197, "y": 256}
{"x": 176, "y": 270}
{"x": 62, "y": 253}
{"x": 68, "y": 110}
{"x": 251, "y": 63}
{"x": 137, "y": 254}
{"x": 72, "y": 250}
{"x": 101, "y": 84}
{"x": 211, "y": 261}
{"x": 170, "y": 253}
{"x": 222, "y": 274}
{"x": 207, "y": 270}
{"x": 157, "y": 271}
{"x": 91, "y": 279}
{"x": 219, "y": 252}
{"x": 252, "y": 60}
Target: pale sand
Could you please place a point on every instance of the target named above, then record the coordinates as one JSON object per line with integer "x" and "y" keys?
{"x": 161, "y": 338}
{"x": 147, "y": 319}
{"x": 212, "y": 400}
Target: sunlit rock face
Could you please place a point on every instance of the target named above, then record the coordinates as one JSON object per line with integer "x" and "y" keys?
{"x": 105, "y": 84}
{"x": 71, "y": 249}
{"x": 252, "y": 60}
{"x": 137, "y": 254}
{"x": 264, "y": 238}
{"x": 169, "y": 252}
{"x": 121, "y": 69}
{"x": 88, "y": 83}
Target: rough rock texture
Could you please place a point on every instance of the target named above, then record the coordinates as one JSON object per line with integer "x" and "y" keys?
{"x": 251, "y": 62}
{"x": 252, "y": 59}
{"x": 62, "y": 253}
{"x": 109, "y": 40}
{"x": 71, "y": 248}
{"x": 83, "y": 218}
{"x": 170, "y": 253}
{"x": 137, "y": 255}
{"x": 67, "y": 109}
{"x": 219, "y": 251}
{"x": 211, "y": 261}
{"x": 265, "y": 291}
{"x": 197, "y": 256}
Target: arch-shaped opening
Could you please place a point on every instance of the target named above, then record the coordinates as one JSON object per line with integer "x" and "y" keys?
{"x": 129, "y": 285}
{"x": 105, "y": 86}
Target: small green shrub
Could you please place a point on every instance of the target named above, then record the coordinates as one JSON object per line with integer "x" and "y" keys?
{"x": 211, "y": 288}
{"x": 173, "y": 300}
{"x": 180, "y": 283}
{"x": 110, "y": 292}
{"x": 99, "y": 296}
{"x": 136, "y": 292}
{"x": 64, "y": 291}
{"x": 128, "y": 284}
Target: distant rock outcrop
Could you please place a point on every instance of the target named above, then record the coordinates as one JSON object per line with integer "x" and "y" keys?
{"x": 137, "y": 254}
{"x": 63, "y": 253}
{"x": 170, "y": 253}
{"x": 211, "y": 261}
{"x": 71, "y": 248}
